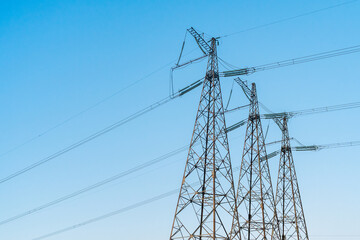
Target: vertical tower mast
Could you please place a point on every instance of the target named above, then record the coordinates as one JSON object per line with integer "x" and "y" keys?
{"x": 288, "y": 201}
{"x": 207, "y": 203}
{"x": 255, "y": 196}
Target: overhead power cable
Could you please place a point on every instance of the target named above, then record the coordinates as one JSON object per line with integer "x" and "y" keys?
{"x": 326, "y": 146}
{"x": 297, "y": 141}
{"x": 76, "y": 115}
{"x": 313, "y": 148}
{"x": 164, "y": 195}
{"x": 122, "y": 210}
{"x": 150, "y": 74}
{"x": 110, "y": 214}
{"x": 289, "y": 62}
{"x": 272, "y": 115}
{"x": 104, "y": 131}
{"x": 96, "y": 185}
{"x": 159, "y": 69}
{"x": 292, "y": 114}
{"x": 237, "y": 108}
{"x": 289, "y": 18}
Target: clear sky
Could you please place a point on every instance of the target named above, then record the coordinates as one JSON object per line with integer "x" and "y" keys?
{"x": 58, "y": 58}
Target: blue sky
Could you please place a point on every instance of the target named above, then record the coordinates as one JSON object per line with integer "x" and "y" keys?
{"x": 60, "y": 57}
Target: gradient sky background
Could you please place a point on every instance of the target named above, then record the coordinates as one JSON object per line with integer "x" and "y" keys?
{"x": 58, "y": 58}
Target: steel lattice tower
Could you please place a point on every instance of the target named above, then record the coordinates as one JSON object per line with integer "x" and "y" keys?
{"x": 207, "y": 201}
{"x": 288, "y": 201}
{"x": 255, "y": 196}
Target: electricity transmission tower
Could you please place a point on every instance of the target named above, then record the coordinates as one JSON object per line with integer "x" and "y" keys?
{"x": 255, "y": 198}
{"x": 288, "y": 201}
{"x": 207, "y": 202}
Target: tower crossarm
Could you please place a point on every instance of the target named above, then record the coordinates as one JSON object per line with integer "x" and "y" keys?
{"x": 204, "y": 46}
{"x": 245, "y": 88}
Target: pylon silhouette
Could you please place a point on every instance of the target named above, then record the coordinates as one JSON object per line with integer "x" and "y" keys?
{"x": 255, "y": 198}
{"x": 207, "y": 202}
{"x": 288, "y": 201}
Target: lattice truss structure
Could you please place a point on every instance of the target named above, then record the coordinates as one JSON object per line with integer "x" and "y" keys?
{"x": 288, "y": 201}
{"x": 255, "y": 198}
{"x": 207, "y": 202}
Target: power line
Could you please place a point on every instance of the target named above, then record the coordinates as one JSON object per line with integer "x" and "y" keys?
{"x": 105, "y": 99}
{"x": 84, "y": 110}
{"x": 292, "y": 114}
{"x": 289, "y": 18}
{"x": 150, "y": 74}
{"x": 293, "y": 61}
{"x": 116, "y": 212}
{"x": 326, "y": 146}
{"x": 145, "y": 202}
{"x": 110, "y": 214}
{"x": 276, "y": 116}
{"x": 312, "y": 148}
{"x": 97, "y": 185}
{"x": 161, "y": 196}
{"x": 104, "y": 131}
{"x": 157, "y": 70}
{"x": 136, "y": 205}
